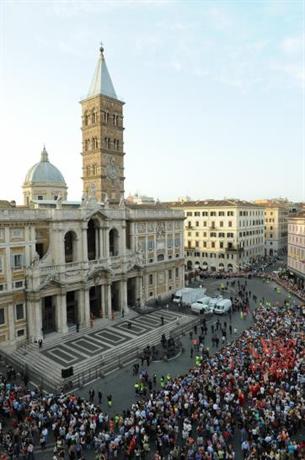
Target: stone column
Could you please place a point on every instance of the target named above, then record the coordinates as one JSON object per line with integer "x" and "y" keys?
{"x": 139, "y": 290}
{"x": 31, "y": 319}
{"x": 11, "y": 323}
{"x": 61, "y": 312}
{"x": 84, "y": 243}
{"x": 122, "y": 240}
{"x": 37, "y": 311}
{"x": 84, "y": 307}
{"x": 108, "y": 306}
{"x": 59, "y": 248}
{"x": 123, "y": 295}
{"x": 106, "y": 241}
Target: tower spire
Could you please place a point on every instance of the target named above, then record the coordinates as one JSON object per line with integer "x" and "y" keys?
{"x": 101, "y": 83}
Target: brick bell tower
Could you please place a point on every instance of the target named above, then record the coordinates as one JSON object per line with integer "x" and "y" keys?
{"x": 102, "y": 136}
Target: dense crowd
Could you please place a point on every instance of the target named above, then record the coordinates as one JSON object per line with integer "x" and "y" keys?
{"x": 246, "y": 401}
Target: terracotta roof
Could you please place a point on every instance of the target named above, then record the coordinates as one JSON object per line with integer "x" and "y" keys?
{"x": 211, "y": 203}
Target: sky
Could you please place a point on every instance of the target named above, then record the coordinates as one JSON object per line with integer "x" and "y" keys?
{"x": 214, "y": 93}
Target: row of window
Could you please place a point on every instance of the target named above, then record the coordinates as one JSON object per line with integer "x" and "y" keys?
{"x": 229, "y": 234}
{"x": 19, "y": 314}
{"x": 213, "y": 224}
{"x": 206, "y": 213}
{"x": 170, "y": 275}
{"x": 212, "y": 255}
{"x": 221, "y": 213}
{"x": 93, "y": 144}
{"x": 92, "y": 118}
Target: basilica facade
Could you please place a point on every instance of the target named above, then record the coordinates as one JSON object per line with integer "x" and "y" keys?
{"x": 65, "y": 263}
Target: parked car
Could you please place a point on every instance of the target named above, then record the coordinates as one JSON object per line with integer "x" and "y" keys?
{"x": 223, "y": 306}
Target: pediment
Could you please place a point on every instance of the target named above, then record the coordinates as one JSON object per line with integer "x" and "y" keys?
{"x": 135, "y": 267}
{"x": 98, "y": 273}
{"x": 50, "y": 281}
{"x": 96, "y": 214}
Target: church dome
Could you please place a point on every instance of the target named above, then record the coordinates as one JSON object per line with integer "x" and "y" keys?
{"x": 44, "y": 173}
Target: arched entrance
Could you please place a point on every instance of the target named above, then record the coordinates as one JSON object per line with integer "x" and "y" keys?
{"x": 95, "y": 300}
{"x": 72, "y": 307}
{"x": 132, "y": 292}
{"x": 48, "y": 315}
{"x": 115, "y": 296}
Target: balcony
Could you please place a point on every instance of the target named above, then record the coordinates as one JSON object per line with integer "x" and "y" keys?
{"x": 234, "y": 250}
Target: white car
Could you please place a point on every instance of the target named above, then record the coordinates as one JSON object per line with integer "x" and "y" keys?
{"x": 223, "y": 307}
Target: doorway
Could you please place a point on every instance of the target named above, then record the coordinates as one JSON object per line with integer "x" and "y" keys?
{"x": 132, "y": 292}
{"x": 95, "y": 299}
{"x": 48, "y": 315}
{"x": 72, "y": 310}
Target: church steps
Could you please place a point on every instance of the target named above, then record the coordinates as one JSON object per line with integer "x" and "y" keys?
{"x": 44, "y": 371}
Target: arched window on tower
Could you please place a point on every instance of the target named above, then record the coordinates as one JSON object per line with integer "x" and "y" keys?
{"x": 93, "y": 117}
{"x": 86, "y": 119}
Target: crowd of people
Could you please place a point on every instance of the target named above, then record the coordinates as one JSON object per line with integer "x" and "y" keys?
{"x": 247, "y": 400}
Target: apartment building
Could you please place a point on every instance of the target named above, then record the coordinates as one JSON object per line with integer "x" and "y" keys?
{"x": 276, "y": 226}
{"x": 222, "y": 234}
{"x": 296, "y": 247}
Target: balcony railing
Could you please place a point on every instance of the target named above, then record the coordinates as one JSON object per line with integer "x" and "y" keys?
{"x": 234, "y": 250}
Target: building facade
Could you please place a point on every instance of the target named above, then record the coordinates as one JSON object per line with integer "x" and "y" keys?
{"x": 276, "y": 226}
{"x": 296, "y": 247}
{"x": 222, "y": 235}
{"x": 64, "y": 263}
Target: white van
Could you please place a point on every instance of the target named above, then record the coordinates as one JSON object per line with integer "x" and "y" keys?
{"x": 214, "y": 301}
{"x": 223, "y": 306}
{"x": 202, "y": 306}
{"x": 187, "y": 296}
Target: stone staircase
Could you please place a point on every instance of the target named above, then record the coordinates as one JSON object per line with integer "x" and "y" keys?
{"x": 47, "y": 373}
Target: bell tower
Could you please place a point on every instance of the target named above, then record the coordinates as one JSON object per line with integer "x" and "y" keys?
{"x": 102, "y": 137}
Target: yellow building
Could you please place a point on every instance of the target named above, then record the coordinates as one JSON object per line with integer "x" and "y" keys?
{"x": 222, "y": 234}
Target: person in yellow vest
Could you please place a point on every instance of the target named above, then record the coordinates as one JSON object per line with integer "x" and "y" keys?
{"x": 136, "y": 387}
{"x": 162, "y": 381}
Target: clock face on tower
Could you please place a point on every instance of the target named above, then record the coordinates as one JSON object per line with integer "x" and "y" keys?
{"x": 111, "y": 170}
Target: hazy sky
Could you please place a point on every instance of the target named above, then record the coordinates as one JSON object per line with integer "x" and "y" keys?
{"x": 214, "y": 93}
